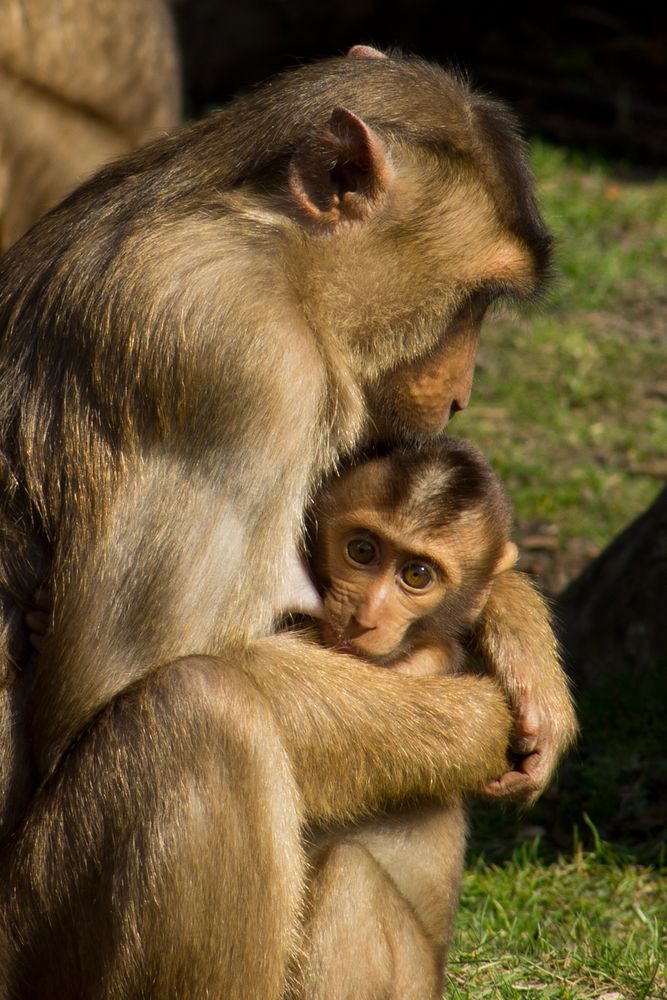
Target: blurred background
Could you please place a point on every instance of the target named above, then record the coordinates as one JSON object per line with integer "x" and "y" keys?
{"x": 590, "y": 73}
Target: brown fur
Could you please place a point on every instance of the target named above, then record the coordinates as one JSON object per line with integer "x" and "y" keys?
{"x": 189, "y": 342}
{"x": 385, "y": 891}
{"x": 441, "y": 496}
{"x": 81, "y": 82}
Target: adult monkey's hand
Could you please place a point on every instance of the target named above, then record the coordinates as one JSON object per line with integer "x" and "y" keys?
{"x": 37, "y": 618}
{"x": 535, "y": 749}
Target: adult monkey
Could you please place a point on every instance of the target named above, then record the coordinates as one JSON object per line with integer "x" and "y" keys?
{"x": 188, "y": 343}
{"x": 81, "y": 82}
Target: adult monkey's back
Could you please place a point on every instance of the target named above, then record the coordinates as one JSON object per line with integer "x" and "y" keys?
{"x": 188, "y": 343}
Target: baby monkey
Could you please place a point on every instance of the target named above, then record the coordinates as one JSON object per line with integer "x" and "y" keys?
{"x": 405, "y": 549}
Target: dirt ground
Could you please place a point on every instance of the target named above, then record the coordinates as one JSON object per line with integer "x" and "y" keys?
{"x": 551, "y": 564}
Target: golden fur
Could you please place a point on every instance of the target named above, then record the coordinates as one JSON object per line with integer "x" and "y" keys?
{"x": 81, "y": 82}
{"x": 189, "y": 342}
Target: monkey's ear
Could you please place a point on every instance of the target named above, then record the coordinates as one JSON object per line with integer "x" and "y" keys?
{"x": 508, "y": 558}
{"x": 365, "y": 52}
{"x": 342, "y": 173}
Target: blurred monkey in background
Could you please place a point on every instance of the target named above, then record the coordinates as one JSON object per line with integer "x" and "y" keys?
{"x": 81, "y": 82}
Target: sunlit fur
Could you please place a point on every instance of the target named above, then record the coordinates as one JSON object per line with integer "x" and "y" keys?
{"x": 384, "y": 891}
{"x": 184, "y": 353}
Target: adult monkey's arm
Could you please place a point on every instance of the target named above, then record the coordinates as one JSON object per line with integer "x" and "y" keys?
{"x": 360, "y": 738}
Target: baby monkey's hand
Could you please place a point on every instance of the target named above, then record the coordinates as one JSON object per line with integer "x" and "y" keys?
{"x": 535, "y": 749}
{"x": 37, "y": 618}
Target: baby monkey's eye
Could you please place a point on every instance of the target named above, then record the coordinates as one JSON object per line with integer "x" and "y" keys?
{"x": 362, "y": 551}
{"x": 417, "y": 575}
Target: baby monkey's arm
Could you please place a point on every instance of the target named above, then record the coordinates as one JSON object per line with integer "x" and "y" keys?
{"x": 514, "y": 639}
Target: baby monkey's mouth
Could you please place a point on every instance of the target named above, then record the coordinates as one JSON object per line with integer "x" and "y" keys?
{"x": 353, "y": 643}
{"x": 336, "y": 640}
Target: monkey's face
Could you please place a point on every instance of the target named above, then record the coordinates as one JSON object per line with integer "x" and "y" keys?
{"x": 439, "y": 293}
{"x": 404, "y": 292}
{"x": 380, "y": 579}
{"x": 419, "y": 399}
{"x": 387, "y": 557}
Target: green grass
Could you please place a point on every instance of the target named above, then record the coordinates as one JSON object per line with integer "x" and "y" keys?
{"x": 616, "y": 775}
{"x": 591, "y": 926}
{"x": 568, "y": 915}
{"x": 570, "y": 402}
{"x": 570, "y": 405}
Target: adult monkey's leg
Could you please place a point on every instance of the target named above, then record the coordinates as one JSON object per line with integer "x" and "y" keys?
{"x": 362, "y": 939}
{"x": 162, "y": 858}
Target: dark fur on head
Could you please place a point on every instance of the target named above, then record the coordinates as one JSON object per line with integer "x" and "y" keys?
{"x": 440, "y": 484}
{"x": 436, "y": 481}
{"x": 440, "y": 480}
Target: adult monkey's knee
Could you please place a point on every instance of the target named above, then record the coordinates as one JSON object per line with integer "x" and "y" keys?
{"x": 177, "y": 806}
{"x": 363, "y": 939}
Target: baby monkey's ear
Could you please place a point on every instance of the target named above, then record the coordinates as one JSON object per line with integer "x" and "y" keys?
{"x": 508, "y": 558}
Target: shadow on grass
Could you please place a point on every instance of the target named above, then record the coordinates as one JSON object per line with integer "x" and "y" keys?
{"x": 611, "y": 788}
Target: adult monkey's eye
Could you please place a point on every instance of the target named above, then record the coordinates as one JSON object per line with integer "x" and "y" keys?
{"x": 417, "y": 575}
{"x": 362, "y": 551}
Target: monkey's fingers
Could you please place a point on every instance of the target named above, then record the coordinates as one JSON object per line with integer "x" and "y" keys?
{"x": 525, "y": 783}
{"x": 36, "y": 641}
{"x": 37, "y": 622}
{"x": 513, "y": 786}
{"x": 526, "y": 731}
{"x": 524, "y": 743}
{"x": 42, "y": 599}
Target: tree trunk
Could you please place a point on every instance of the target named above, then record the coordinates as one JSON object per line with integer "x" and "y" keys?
{"x": 614, "y": 616}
